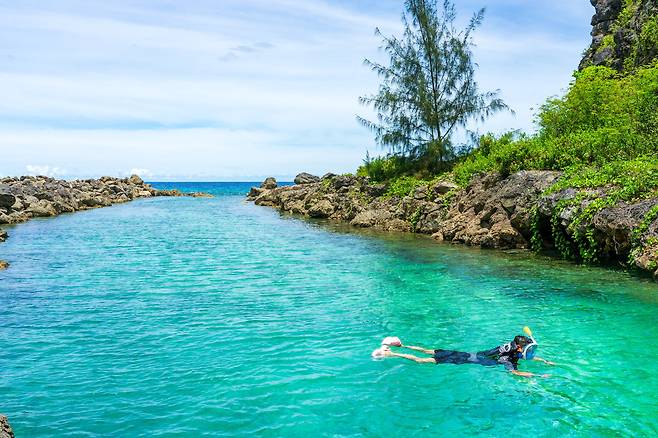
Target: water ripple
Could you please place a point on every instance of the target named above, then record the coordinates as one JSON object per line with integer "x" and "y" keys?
{"x": 214, "y": 317}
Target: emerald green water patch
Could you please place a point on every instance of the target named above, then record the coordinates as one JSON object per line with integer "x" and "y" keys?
{"x": 219, "y": 318}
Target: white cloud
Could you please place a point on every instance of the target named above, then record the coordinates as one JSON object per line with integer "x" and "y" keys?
{"x": 228, "y": 155}
{"x": 41, "y": 170}
{"x": 144, "y": 173}
{"x": 227, "y": 89}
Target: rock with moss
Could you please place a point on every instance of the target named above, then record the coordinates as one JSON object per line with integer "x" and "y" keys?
{"x": 491, "y": 213}
{"x": 624, "y": 34}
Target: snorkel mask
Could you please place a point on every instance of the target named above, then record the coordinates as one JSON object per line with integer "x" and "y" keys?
{"x": 528, "y": 352}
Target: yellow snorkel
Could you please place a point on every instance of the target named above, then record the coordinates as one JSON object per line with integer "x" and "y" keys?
{"x": 529, "y": 350}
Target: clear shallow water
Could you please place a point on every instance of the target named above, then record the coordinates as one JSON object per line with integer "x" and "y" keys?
{"x": 216, "y": 317}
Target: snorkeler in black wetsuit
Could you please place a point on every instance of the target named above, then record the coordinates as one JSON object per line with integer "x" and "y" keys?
{"x": 508, "y": 355}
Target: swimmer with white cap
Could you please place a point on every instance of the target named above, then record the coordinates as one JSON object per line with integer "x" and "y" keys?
{"x": 508, "y": 355}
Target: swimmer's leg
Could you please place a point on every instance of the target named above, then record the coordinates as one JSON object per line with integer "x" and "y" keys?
{"x": 421, "y": 349}
{"x": 411, "y": 357}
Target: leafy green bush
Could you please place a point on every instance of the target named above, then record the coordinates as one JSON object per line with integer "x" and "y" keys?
{"x": 377, "y": 168}
{"x": 603, "y": 117}
{"x": 508, "y": 153}
{"x": 629, "y": 180}
{"x": 387, "y": 168}
{"x": 404, "y": 185}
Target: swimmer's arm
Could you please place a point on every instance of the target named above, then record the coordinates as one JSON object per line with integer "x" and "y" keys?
{"x": 547, "y": 362}
{"x": 421, "y": 349}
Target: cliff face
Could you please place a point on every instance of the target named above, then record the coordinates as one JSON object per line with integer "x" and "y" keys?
{"x": 624, "y": 34}
{"x": 491, "y": 212}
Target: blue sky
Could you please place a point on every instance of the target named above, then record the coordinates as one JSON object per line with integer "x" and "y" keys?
{"x": 236, "y": 89}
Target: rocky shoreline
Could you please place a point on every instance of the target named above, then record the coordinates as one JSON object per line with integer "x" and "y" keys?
{"x": 23, "y": 198}
{"x": 493, "y": 211}
{"x": 5, "y": 428}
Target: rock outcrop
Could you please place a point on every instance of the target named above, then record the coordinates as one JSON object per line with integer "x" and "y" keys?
{"x": 306, "y": 178}
{"x": 269, "y": 183}
{"x": 624, "y": 34}
{"x": 493, "y": 211}
{"x": 5, "y": 428}
{"x": 39, "y": 196}
{"x": 26, "y": 197}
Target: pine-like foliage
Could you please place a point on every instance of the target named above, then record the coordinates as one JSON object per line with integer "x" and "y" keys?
{"x": 428, "y": 90}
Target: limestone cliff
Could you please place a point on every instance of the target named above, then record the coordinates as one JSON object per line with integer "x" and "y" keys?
{"x": 624, "y": 34}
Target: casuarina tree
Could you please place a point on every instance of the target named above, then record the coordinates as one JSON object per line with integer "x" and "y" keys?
{"x": 428, "y": 88}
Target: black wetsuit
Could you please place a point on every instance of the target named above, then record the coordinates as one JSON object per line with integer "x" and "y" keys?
{"x": 505, "y": 355}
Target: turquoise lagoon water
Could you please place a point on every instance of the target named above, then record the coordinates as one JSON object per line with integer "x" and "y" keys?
{"x": 189, "y": 317}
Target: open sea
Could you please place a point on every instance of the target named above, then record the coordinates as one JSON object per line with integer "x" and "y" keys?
{"x": 215, "y": 317}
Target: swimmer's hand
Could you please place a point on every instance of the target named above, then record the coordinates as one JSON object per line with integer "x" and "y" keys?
{"x": 547, "y": 362}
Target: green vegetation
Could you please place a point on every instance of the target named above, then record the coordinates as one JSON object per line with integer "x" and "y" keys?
{"x": 604, "y": 117}
{"x": 651, "y": 216}
{"x": 603, "y": 186}
{"x": 647, "y": 43}
{"x": 404, "y": 185}
{"x": 626, "y": 14}
{"x": 428, "y": 89}
{"x": 603, "y": 133}
{"x": 607, "y": 41}
{"x": 644, "y": 47}
{"x": 415, "y": 217}
{"x": 386, "y": 168}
